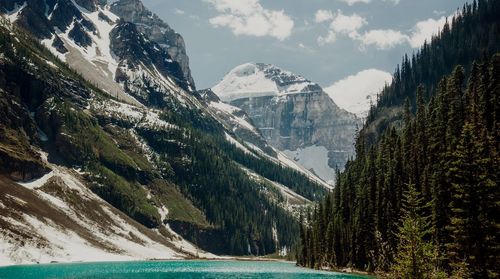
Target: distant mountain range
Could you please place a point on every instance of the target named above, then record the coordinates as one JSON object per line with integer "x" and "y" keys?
{"x": 294, "y": 115}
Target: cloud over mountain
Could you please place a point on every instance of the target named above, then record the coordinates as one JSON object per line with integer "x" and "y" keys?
{"x": 249, "y": 17}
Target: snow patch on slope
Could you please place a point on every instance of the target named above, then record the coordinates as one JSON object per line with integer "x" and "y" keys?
{"x": 283, "y": 159}
{"x": 100, "y": 51}
{"x": 36, "y": 183}
{"x": 139, "y": 116}
{"x": 67, "y": 246}
{"x": 12, "y": 15}
{"x": 230, "y": 112}
{"x": 119, "y": 238}
{"x": 238, "y": 144}
{"x": 48, "y": 44}
{"x": 314, "y": 158}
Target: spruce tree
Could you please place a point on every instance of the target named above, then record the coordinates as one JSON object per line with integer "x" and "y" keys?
{"x": 416, "y": 256}
{"x": 474, "y": 225}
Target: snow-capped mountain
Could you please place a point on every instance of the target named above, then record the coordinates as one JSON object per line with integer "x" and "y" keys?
{"x": 83, "y": 33}
{"x": 109, "y": 106}
{"x": 259, "y": 80}
{"x": 293, "y": 114}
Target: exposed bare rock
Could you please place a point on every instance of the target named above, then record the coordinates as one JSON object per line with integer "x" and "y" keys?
{"x": 156, "y": 30}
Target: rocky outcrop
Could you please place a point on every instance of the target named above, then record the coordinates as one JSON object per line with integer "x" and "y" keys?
{"x": 294, "y": 115}
{"x": 82, "y": 33}
{"x": 297, "y": 121}
{"x": 156, "y": 30}
{"x": 134, "y": 50}
{"x": 237, "y": 121}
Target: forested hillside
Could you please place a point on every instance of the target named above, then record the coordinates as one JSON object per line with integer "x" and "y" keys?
{"x": 422, "y": 201}
{"x": 168, "y": 163}
{"x": 472, "y": 35}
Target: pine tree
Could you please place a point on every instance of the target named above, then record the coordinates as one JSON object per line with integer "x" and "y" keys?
{"x": 416, "y": 256}
{"x": 474, "y": 226}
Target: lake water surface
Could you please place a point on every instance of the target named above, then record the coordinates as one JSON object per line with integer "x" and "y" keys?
{"x": 168, "y": 269}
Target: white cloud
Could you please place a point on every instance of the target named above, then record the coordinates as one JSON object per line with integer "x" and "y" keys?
{"x": 323, "y": 15}
{"x": 328, "y": 39}
{"x": 355, "y": 93}
{"x": 353, "y": 2}
{"x": 395, "y": 2}
{"x": 380, "y": 38}
{"x": 248, "y": 17}
{"x": 383, "y": 38}
{"x": 306, "y": 48}
{"x": 421, "y": 31}
{"x": 347, "y": 24}
{"x": 179, "y": 12}
{"x": 340, "y": 24}
{"x": 424, "y": 30}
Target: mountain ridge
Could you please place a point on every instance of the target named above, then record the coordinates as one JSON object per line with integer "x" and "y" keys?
{"x": 293, "y": 114}
{"x": 140, "y": 138}
{"x": 260, "y": 79}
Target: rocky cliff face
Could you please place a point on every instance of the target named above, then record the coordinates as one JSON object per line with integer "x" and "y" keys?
{"x": 238, "y": 121}
{"x": 156, "y": 30}
{"x": 293, "y": 114}
{"x": 83, "y": 33}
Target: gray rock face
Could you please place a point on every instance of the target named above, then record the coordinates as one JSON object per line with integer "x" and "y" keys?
{"x": 156, "y": 30}
{"x": 300, "y": 120}
{"x": 138, "y": 50}
{"x": 237, "y": 121}
{"x": 305, "y": 123}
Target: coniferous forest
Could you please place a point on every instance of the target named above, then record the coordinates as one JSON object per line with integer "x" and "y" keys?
{"x": 422, "y": 198}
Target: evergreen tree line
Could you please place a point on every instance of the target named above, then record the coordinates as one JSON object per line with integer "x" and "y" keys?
{"x": 209, "y": 171}
{"x": 472, "y": 34}
{"x": 424, "y": 202}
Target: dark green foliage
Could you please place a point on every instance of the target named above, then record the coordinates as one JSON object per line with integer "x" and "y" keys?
{"x": 416, "y": 257}
{"x": 208, "y": 169}
{"x": 274, "y": 172}
{"x": 446, "y": 146}
{"x": 448, "y": 152}
{"x": 472, "y": 35}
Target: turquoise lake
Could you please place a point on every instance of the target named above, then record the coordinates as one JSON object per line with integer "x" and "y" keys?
{"x": 168, "y": 269}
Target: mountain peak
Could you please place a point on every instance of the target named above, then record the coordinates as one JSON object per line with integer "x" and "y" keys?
{"x": 260, "y": 79}
{"x": 155, "y": 30}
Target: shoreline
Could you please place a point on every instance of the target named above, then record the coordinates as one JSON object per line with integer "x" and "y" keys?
{"x": 348, "y": 270}
{"x": 221, "y": 258}
{"x": 218, "y": 259}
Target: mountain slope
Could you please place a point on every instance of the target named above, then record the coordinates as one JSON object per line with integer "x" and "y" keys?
{"x": 293, "y": 114}
{"x": 156, "y": 30}
{"x": 55, "y": 217}
{"x": 252, "y": 140}
{"x": 149, "y": 146}
{"x": 457, "y": 44}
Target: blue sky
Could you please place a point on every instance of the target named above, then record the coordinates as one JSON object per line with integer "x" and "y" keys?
{"x": 326, "y": 41}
